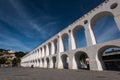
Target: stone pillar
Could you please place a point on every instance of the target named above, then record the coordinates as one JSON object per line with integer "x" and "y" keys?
{"x": 40, "y": 53}
{"x": 30, "y": 64}
{"x": 31, "y": 58}
{"x": 52, "y": 48}
{"x": 45, "y": 63}
{"x": 37, "y": 58}
{"x": 50, "y": 63}
{"x": 41, "y": 63}
{"x": 90, "y": 38}
{"x": 72, "y": 43}
{"x": 94, "y": 62}
{"x": 28, "y": 60}
{"x": 47, "y": 50}
{"x": 60, "y": 45}
{"x": 72, "y": 62}
{"x": 33, "y": 63}
{"x": 43, "y": 52}
{"x": 117, "y": 20}
{"x": 36, "y": 62}
{"x": 34, "y": 59}
{"x": 60, "y": 49}
{"x": 116, "y": 13}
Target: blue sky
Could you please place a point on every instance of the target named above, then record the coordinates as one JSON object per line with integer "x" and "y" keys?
{"x": 24, "y": 24}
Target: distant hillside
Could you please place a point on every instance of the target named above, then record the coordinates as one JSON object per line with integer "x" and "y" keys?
{"x": 18, "y": 54}
{"x": 10, "y": 57}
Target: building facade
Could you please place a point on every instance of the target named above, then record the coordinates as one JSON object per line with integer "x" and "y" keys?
{"x": 52, "y": 53}
{"x": 9, "y": 56}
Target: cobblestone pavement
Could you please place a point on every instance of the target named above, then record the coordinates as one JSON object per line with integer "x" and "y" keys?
{"x": 55, "y": 74}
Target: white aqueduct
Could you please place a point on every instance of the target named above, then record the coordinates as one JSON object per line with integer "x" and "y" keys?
{"x": 52, "y": 54}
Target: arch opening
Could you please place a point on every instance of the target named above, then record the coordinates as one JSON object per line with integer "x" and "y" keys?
{"x": 65, "y": 39}
{"x": 39, "y": 62}
{"x": 54, "y": 62}
{"x": 65, "y": 61}
{"x": 42, "y": 62}
{"x": 34, "y": 61}
{"x": 48, "y": 64}
{"x": 105, "y": 27}
{"x": 49, "y": 45}
{"x": 42, "y": 55}
{"x": 40, "y": 52}
{"x": 82, "y": 60}
{"x": 109, "y": 57}
{"x": 44, "y": 50}
{"x": 79, "y": 36}
{"x": 55, "y": 44}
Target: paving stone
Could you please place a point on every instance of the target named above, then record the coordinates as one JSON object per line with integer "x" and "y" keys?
{"x": 56, "y": 74}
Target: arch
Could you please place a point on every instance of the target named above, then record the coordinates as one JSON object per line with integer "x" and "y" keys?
{"x": 65, "y": 61}
{"x": 34, "y": 63}
{"x": 38, "y": 53}
{"x": 76, "y": 28}
{"x": 54, "y": 61}
{"x": 82, "y": 60}
{"x": 41, "y": 52}
{"x": 79, "y": 36}
{"x": 48, "y": 62}
{"x": 109, "y": 55}
{"x": 99, "y": 15}
{"x": 38, "y": 50}
{"x": 31, "y": 64}
{"x": 65, "y": 39}
{"x": 104, "y": 27}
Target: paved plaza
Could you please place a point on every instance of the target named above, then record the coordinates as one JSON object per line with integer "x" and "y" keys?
{"x": 55, "y": 74}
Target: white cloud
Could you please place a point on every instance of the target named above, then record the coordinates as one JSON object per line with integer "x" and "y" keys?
{"x": 13, "y": 42}
{"x": 26, "y": 26}
{"x": 29, "y": 24}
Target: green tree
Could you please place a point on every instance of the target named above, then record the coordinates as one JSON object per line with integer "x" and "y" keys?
{"x": 16, "y": 61}
{"x": 1, "y": 50}
{"x": 19, "y": 54}
{"x": 2, "y": 60}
